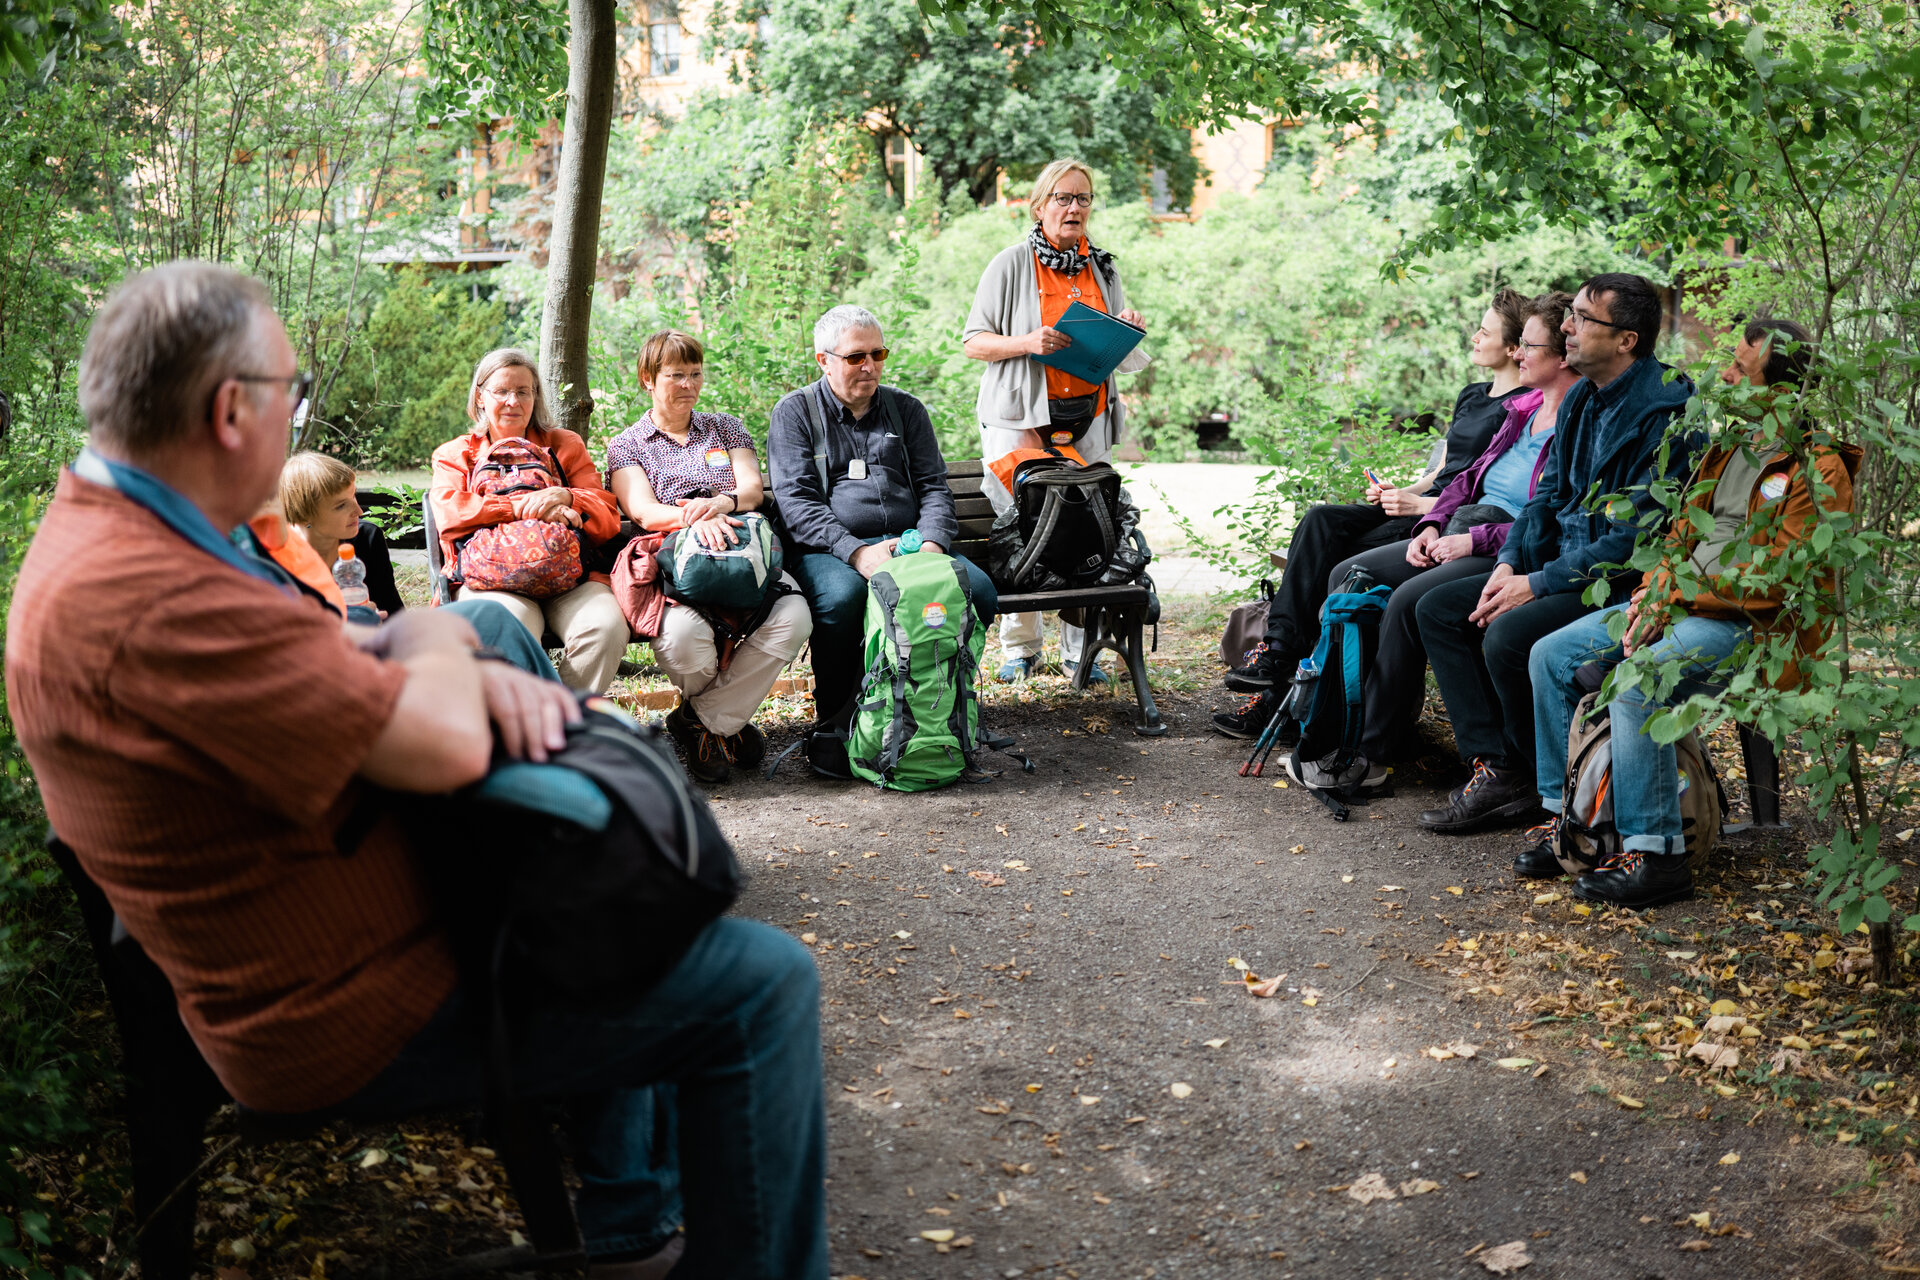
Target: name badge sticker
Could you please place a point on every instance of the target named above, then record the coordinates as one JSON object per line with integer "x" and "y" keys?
{"x": 1774, "y": 487}
{"x": 857, "y": 469}
{"x": 718, "y": 458}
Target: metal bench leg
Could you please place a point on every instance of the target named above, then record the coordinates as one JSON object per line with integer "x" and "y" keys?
{"x": 1147, "y": 722}
{"x": 1763, "y": 777}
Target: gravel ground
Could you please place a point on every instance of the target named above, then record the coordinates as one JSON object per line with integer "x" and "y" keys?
{"x": 1035, "y": 1042}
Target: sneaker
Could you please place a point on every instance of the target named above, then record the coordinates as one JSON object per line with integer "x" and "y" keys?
{"x": 1375, "y": 779}
{"x": 1252, "y": 716}
{"x": 1636, "y": 881}
{"x": 1261, "y": 672}
{"x": 1014, "y": 670}
{"x": 1540, "y": 862}
{"x": 747, "y": 747}
{"x": 1489, "y": 796}
{"x": 1094, "y": 676}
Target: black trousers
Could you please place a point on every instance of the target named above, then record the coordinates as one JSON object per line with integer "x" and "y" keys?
{"x": 1482, "y": 673}
{"x": 1325, "y": 536}
{"x": 1397, "y": 682}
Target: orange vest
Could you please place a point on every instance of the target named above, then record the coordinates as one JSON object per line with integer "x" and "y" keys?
{"x": 1057, "y": 293}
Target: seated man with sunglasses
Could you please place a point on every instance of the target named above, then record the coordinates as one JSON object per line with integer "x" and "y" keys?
{"x": 875, "y": 472}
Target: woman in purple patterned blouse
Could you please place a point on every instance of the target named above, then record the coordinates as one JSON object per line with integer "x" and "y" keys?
{"x": 680, "y": 469}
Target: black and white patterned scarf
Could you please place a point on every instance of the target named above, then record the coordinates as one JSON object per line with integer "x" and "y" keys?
{"x": 1068, "y": 262}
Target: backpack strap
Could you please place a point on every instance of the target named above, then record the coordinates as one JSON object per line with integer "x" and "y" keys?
{"x": 817, "y": 422}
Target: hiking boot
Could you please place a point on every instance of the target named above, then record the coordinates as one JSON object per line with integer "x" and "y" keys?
{"x": 1253, "y": 714}
{"x": 1094, "y": 676}
{"x": 1539, "y": 861}
{"x": 709, "y": 761}
{"x": 1636, "y": 881}
{"x": 684, "y": 727}
{"x": 1015, "y": 670}
{"x": 1489, "y": 796}
{"x": 827, "y": 756}
{"x": 747, "y": 747}
{"x": 1261, "y": 672}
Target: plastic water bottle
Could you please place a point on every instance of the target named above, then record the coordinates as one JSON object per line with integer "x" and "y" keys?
{"x": 350, "y": 572}
{"x": 909, "y": 543}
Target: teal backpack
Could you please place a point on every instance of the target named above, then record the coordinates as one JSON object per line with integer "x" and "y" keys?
{"x": 917, "y": 719}
{"x": 735, "y": 577}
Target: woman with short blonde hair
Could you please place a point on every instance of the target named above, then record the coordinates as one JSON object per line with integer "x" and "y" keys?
{"x": 1027, "y": 405}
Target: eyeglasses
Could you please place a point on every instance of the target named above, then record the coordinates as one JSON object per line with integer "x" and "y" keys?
{"x": 878, "y": 355}
{"x": 1584, "y": 318}
{"x": 512, "y": 396}
{"x": 1063, "y": 199}
{"x": 679, "y": 379}
{"x": 299, "y": 385}
{"x": 1524, "y": 345}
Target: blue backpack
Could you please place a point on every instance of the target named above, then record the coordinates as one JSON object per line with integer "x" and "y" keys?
{"x": 1328, "y": 697}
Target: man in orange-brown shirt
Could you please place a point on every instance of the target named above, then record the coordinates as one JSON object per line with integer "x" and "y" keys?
{"x": 200, "y": 727}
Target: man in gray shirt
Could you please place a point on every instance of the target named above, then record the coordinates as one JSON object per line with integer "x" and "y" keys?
{"x": 855, "y": 465}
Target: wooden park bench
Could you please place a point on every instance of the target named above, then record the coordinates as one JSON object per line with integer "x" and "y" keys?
{"x": 1113, "y": 617}
{"x": 171, "y": 1093}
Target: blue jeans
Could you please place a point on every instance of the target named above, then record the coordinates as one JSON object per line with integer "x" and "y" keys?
{"x": 837, "y": 594}
{"x": 500, "y": 630}
{"x": 1646, "y": 779}
{"x": 734, "y": 1027}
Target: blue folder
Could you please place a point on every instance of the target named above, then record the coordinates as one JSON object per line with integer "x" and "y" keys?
{"x": 1100, "y": 343}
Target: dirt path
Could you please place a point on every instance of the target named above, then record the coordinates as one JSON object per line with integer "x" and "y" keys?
{"x": 1004, "y": 1059}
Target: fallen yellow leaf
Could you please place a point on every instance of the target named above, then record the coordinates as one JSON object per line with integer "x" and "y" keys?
{"x": 1033, "y": 1088}
{"x": 1418, "y": 1187}
{"x": 1631, "y": 1104}
{"x": 1180, "y": 1089}
{"x": 1213, "y": 1044}
{"x": 1579, "y": 1176}
{"x": 1513, "y": 1064}
{"x": 1088, "y": 1099}
{"x": 1455, "y": 890}
{"x": 1544, "y": 899}
{"x": 1346, "y": 879}
{"x": 1725, "y": 1008}
{"x": 1701, "y": 1220}
{"x": 809, "y": 938}
{"x": 941, "y": 1236}
{"x": 1235, "y": 962}
{"x": 1732, "y": 1157}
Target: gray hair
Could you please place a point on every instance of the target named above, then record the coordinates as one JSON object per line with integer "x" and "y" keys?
{"x": 510, "y": 358}
{"x": 159, "y": 346}
{"x": 827, "y": 330}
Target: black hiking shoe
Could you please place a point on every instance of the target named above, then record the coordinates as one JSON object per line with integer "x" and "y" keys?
{"x": 1539, "y": 862}
{"x": 708, "y": 760}
{"x": 827, "y": 756}
{"x": 1636, "y": 881}
{"x": 1253, "y": 714}
{"x": 1261, "y": 673}
{"x": 747, "y": 747}
{"x": 1491, "y": 795}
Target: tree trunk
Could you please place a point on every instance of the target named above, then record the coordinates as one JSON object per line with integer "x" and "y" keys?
{"x": 1881, "y": 945}
{"x": 575, "y": 245}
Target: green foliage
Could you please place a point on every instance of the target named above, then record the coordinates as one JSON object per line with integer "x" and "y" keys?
{"x": 36, "y": 35}
{"x": 403, "y": 387}
{"x": 680, "y": 181}
{"x": 974, "y": 98}
{"x": 489, "y": 60}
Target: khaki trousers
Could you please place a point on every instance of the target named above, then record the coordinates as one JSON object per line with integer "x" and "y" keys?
{"x": 590, "y": 626}
{"x": 726, "y": 700}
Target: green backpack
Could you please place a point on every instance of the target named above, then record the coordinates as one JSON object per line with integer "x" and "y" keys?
{"x": 917, "y": 721}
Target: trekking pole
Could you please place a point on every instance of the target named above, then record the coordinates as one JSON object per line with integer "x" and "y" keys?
{"x": 1263, "y": 745}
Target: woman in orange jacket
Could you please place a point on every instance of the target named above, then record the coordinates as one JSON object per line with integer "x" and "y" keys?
{"x": 506, "y": 403}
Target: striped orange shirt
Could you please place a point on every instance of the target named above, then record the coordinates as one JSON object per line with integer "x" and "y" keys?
{"x": 196, "y": 733}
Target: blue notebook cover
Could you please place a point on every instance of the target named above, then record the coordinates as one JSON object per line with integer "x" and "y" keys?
{"x": 1100, "y": 343}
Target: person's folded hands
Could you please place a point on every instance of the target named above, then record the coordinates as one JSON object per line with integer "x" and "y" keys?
{"x": 715, "y": 532}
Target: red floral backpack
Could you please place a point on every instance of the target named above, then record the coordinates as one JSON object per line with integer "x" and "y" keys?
{"x": 533, "y": 558}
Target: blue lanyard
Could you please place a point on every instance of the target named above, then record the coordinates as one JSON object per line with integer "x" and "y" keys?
{"x": 179, "y": 515}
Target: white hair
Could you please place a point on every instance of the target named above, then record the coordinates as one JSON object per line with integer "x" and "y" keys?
{"x": 827, "y": 330}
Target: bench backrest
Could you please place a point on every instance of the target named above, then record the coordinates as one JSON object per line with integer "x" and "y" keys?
{"x": 971, "y": 507}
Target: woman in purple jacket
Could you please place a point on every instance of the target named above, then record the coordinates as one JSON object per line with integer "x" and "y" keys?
{"x": 1461, "y": 534}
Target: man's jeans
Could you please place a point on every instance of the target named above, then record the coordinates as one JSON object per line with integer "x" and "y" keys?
{"x": 735, "y": 1028}
{"x": 1646, "y": 778}
{"x": 837, "y": 594}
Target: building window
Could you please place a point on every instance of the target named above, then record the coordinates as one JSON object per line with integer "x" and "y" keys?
{"x": 663, "y": 38}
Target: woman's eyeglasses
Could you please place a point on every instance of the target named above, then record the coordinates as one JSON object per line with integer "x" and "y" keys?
{"x": 878, "y": 355}
{"x": 1524, "y": 345}
{"x": 1065, "y": 199}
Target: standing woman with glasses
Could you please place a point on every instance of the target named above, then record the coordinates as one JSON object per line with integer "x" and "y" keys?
{"x": 1023, "y": 403}
{"x": 506, "y": 402}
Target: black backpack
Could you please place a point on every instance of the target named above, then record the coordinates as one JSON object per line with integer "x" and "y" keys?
{"x": 575, "y": 883}
{"x": 1062, "y": 529}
